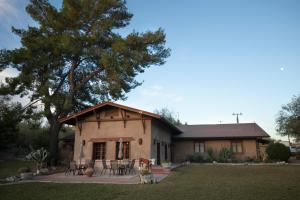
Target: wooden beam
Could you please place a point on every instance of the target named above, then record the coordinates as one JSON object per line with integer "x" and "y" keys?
{"x": 123, "y": 114}
{"x": 113, "y": 120}
{"x": 143, "y": 122}
{"x": 97, "y": 114}
{"x": 79, "y": 125}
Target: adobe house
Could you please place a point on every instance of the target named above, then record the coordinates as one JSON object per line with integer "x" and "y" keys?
{"x": 99, "y": 129}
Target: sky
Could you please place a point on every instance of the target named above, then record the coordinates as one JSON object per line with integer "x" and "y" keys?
{"x": 226, "y": 56}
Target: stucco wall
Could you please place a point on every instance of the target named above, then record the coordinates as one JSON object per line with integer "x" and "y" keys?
{"x": 114, "y": 129}
{"x": 182, "y": 149}
{"x": 163, "y": 135}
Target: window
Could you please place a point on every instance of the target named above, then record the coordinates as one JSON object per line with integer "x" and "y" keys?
{"x": 125, "y": 150}
{"x": 237, "y": 147}
{"x": 199, "y": 147}
{"x": 99, "y": 151}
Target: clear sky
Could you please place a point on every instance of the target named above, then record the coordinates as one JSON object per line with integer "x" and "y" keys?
{"x": 227, "y": 56}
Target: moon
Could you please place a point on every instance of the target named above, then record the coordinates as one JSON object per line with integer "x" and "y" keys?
{"x": 281, "y": 68}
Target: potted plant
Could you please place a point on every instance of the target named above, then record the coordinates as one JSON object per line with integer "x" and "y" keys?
{"x": 146, "y": 176}
{"x": 39, "y": 156}
{"x": 90, "y": 169}
{"x": 25, "y": 173}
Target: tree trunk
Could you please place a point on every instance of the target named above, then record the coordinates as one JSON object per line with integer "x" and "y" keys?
{"x": 54, "y": 129}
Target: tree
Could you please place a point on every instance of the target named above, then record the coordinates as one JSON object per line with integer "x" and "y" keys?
{"x": 10, "y": 116}
{"x": 278, "y": 152}
{"x": 75, "y": 57}
{"x": 168, "y": 115}
{"x": 288, "y": 121}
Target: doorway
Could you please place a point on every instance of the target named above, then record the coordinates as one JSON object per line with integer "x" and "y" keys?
{"x": 158, "y": 153}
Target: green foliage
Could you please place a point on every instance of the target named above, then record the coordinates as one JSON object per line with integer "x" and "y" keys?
{"x": 200, "y": 158}
{"x": 10, "y": 115}
{"x": 33, "y": 135}
{"x": 210, "y": 153}
{"x": 278, "y": 152}
{"x": 24, "y": 170}
{"x": 168, "y": 115}
{"x": 288, "y": 121}
{"x": 225, "y": 155}
{"x": 39, "y": 156}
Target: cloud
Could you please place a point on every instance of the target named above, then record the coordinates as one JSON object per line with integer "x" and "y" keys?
{"x": 158, "y": 91}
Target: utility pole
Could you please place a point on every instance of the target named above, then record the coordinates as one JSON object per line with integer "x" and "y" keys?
{"x": 237, "y": 116}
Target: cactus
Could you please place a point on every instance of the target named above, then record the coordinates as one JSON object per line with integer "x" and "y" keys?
{"x": 39, "y": 156}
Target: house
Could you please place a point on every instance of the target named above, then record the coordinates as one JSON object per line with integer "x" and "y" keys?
{"x": 100, "y": 129}
{"x": 246, "y": 140}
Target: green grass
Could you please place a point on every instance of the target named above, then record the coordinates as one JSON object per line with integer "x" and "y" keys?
{"x": 192, "y": 182}
{"x": 11, "y": 167}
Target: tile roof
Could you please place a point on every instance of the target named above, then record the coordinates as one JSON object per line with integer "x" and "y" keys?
{"x": 242, "y": 130}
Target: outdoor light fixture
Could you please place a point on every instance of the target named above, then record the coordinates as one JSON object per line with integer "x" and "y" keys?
{"x": 140, "y": 141}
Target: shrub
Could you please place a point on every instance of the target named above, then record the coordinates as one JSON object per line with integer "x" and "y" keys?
{"x": 197, "y": 157}
{"x": 210, "y": 153}
{"x": 24, "y": 170}
{"x": 225, "y": 155}
{"x": 278, "y": 152}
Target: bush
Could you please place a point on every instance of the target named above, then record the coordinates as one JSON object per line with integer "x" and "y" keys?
{"x": 200, "y": 157}
{"x": 278, "y": 152}
{"x": 24, "y": 170}
{"x": 225, "y": 155}
{"x": 197, "y": 157}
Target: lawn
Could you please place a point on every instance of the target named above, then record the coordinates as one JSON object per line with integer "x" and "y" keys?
{"x": 11, "y": 167}
{"x": 192, "y": 182}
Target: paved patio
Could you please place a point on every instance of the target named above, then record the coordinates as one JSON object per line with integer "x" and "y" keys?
{"x": 103, "y": 179}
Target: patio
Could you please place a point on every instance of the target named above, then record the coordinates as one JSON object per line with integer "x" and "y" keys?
{"x": 103, "y": 179}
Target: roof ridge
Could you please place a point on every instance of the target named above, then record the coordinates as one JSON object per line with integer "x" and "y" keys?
{"x": 218, "y": 124}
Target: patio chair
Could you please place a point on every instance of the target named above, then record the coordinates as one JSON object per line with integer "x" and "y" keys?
{"x": 113, "y": 167}
{"x": 131, "y": 167}
{"x": 125, "y": 163}
{"x": 71, "y": 168}
{"x": 105, "y": 167}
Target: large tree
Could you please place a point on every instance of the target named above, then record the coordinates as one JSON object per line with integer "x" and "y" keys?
{"x": 76, "y": 57}
{"x": 288, "y": 121}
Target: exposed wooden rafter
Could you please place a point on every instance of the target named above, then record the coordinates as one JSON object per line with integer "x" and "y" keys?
{"x": 98, "y": 120}
{"x": 79, "y": 125}
{"x": 143, "y": 122}
{"x": 123, "y": 114}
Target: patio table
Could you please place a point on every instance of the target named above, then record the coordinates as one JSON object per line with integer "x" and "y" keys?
{"x": 81, "y": 169}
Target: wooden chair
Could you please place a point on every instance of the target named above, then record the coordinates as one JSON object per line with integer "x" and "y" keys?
{"x": 114, "y": 167}
{"x": 71, "y": 168}
{"x": 105, "y": 167}
{"x": 131, "y": 167}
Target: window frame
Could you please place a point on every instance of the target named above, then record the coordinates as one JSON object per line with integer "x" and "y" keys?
{"x": 199, "y": 142}
{"x": 102, "y": 151}
{"x": 235, "y": 144}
